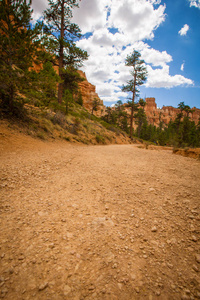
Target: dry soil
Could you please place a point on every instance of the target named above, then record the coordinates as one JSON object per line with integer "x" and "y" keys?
{"x": 97, "y": 222}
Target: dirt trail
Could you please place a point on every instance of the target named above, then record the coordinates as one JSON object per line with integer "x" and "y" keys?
{"x": 97, "y": 222}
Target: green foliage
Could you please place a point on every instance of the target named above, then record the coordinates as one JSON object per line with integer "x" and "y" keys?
{"x": 68, "y": 100}
{"x": 60, "y": 38}
{"x": 140, "y": 119}
{"x": 61, "y": 32}
{"x": 42, "y": 87}
{"x": 139, "y": 76}
{"x": 100, "y": 139}
{"x": 182, "y": 132}
{"x": 71, "y": 78}
{"x": 80, "y": 99}
{"x": 95, "y": 105}
{"x": 117, "y": 116}
{"x": 19, "y": 50}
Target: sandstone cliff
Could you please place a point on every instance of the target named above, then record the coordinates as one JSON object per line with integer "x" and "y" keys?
{"x": 88, "y": 92}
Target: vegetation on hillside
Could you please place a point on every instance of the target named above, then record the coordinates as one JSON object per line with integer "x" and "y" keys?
{"x": 19, "y": 51}
{"x": 30, "y": 54}
{"x": 182, "y": 132}
{"x": 39, "y": 84}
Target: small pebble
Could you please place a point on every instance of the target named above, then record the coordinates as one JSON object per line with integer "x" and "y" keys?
{"x": 154, "y": 229}
{"x": 194, "y": 238}
{"x": 43, "y": 286}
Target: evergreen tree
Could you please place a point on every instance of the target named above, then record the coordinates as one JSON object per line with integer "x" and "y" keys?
{"x": 181, "y": 106}
{"x": 42, "y": 88}
{"x": 62, "y": 34}
{"x": 139, "y": 74}
{"x": 19, "y": 50}
{"x": 95, "y": 105}
{"x": 120, "y": 115}
{"x": 140, "y": 116}
{"x": 108, "y": 115}
{"x": 71, "y": 78}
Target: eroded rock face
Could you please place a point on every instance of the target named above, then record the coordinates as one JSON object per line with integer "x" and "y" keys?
{"x": 88, "y": 92}
{"x": 166, "y": 113}
{"x": 154, "y": 114}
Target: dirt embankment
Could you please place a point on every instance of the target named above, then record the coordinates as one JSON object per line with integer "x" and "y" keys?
{"x": 193, "y": 153}
{"x": 97, "y": 222}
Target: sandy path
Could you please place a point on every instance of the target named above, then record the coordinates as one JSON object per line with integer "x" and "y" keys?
{"x": 98, "y": 222}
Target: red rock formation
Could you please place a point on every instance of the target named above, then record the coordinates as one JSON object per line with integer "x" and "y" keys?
{"x": 88, "y": 92}
{"x": 166, "y": 113}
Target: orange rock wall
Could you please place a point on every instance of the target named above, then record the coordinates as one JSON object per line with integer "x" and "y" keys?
{"x": 166, "y": 113}
{"x": 88, "y": 92}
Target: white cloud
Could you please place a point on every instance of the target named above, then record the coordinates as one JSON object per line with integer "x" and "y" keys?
{"x": 91, "y": 14}
{"x": 182, "y": 66}
{"x": 133, "y": 21}
{"x": 159, "y": 78}
{"x": 184, "y": 30}
{"x": 195, "y": 3}
{"x": 152, "y": 56}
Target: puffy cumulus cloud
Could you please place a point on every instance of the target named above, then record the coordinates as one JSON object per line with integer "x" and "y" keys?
{"x": 90, "y": 15}
{"x": 136, "y": 19}
{"x": 152, "y": 56}
{"x": 195, "y": 3}
{"x": 160, "y": 77}
{"x": 184, "y": 30}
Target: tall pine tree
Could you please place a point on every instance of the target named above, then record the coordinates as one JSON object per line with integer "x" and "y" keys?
{"x": 62, "y": 35}
{"x": 139, "y": 74}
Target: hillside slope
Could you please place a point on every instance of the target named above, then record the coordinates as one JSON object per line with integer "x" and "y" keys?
{"x": 78, "y": 126}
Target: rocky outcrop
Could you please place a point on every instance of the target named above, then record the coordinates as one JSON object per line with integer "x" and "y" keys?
{"x": 166, "y": 113}
{"x": 89, "y": 95}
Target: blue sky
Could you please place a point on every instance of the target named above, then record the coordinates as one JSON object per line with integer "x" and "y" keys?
{"x": 167, "y": 34}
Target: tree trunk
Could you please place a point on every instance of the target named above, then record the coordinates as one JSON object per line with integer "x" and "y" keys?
{"x": 131, "y": 125}
{"x": 132, "y": 107}
{"x": 61, "y": 54}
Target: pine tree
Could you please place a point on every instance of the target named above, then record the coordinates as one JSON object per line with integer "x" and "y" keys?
{"x": 19, "y": 46}
{"x": 42, "y": 88}
{"x": 139, "y": 74}
{"x": 62, "y": 34}
{"x": 95, "y": 105}
{"x": 140, "y": 116}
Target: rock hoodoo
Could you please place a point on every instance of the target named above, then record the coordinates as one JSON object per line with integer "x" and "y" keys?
{"x": 154, "y": 114}
{"x": 166, "y": 113}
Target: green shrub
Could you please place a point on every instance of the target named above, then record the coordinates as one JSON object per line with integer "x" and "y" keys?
{"x": 100, "y": 139}
{"x": 40, "y": 135}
